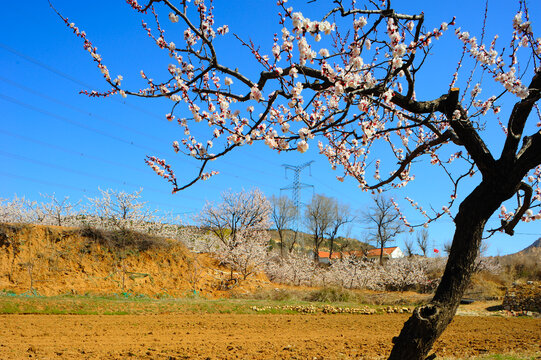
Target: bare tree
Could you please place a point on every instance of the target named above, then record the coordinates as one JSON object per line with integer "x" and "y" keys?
{"x": 422, "y": 241}
{"x": 383, "y": 223}
{"x": 447, "y": 247}
{"x": 361, "y": 92}
{"x": 319, "y": 218}
{"x": 283, "y": 215}
{"x": 340, "y": 216}
{"x": 408, "y": 244}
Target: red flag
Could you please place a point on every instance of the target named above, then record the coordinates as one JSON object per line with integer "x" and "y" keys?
{"x": 436, "y": 251}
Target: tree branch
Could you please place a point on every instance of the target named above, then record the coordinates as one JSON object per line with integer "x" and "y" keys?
{"x": 517, "y": 121}
{"x": 509, "y": 226}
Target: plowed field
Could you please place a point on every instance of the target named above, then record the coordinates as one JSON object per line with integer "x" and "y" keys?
{"x": 257, "y": 336}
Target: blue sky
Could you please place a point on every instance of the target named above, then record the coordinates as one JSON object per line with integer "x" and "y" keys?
{"x": 54, "y": 140}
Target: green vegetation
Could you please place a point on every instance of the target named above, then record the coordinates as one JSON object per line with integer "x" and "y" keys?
{"x": 272, "y": 300}
{"x": 126, "y": 304}
{"x": 499, "y": 357}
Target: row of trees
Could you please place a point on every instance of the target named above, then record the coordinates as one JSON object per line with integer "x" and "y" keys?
{"x": 111, "y": 210}
{"x": 353, "y": 272}
{"x": 236, "y": 232}
{"x": 239, "y": 238}
{"x": 324, "y": 218}
{"x": 235, "y": 229}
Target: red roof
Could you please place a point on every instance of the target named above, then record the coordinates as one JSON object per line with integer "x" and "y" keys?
{"x": 377, "y": 252}
{"x": 339, "y": 255}
{"x": 357, "y": 253}
{"x": 325, "y": 254}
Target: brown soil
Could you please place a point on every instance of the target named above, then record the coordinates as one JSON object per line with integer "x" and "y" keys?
{"x": 230, "y": 336}
{"x": 54, "y": 260}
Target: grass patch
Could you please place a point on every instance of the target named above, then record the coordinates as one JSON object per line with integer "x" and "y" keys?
{"x": 122, "y": 305}
{"x": 332, "y": 294}
{"x": 500, "y": 357}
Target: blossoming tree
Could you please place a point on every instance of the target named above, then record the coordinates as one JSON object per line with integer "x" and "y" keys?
{"x": 348, "y": 81}
{"x": 240, "y": 223}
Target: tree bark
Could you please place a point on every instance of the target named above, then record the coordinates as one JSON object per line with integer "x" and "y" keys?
{"x": 429, "y": 321}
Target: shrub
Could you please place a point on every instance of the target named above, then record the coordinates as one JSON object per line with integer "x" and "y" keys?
{"x": 331, "y": 294}
{"x": 115, "y": 240}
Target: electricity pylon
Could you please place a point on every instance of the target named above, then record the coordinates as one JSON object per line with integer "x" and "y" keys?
{"x": 296, "y": 187}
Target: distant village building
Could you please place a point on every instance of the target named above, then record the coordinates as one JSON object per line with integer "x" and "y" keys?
{"x": 388, "y": 253}
{"x": 324, "y": 257}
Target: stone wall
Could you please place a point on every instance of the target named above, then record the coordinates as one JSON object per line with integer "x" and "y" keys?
{"x": 523, "y": 297}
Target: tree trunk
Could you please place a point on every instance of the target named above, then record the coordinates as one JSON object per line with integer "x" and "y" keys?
{"x": 429, "y": 321}
{"x": 331, "y": 248}
{"x": 281, "y": 243}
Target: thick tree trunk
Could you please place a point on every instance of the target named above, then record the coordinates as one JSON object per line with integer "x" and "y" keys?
{"x": 429, "y": 321}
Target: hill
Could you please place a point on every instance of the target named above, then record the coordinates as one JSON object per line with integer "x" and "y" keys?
{"x": 305, "y": 242}
{"x": 523, "y": 265}
{"x": 534, "y": 245}
{"x": 53, "y": 260}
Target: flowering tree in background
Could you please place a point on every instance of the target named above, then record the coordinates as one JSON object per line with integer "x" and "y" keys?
{"x": 58, "y": 210}
{"x": 240, "y": 223}
{"x": 121, "y": 209}
{"x": 21, "y": 210}
{"x": 249, "y": 254}
{"x": 122, "y": 212}
{"x": 349, "y": 81}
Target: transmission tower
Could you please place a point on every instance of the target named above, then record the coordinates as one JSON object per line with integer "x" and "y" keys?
{"x": 296, "y": 187}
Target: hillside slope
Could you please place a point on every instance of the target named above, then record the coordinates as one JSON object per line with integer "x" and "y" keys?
{"x": 536, "y": 244}
{"x": 304, "y": 242}
{"x": 52, "y": 260}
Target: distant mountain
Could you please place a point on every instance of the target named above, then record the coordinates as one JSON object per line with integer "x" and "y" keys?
{"x": 535, "y": 244}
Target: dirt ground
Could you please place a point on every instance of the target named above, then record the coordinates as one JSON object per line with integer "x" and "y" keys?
{"x": 241, "y": 336}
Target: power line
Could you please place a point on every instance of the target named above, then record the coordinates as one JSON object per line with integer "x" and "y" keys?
{"x": 68, "y": 77}
{"x": 69, "y": 121}
{"x": 69, "y": 151}
{"x": 79, "y": 82}
{"x": 75, "y": 108}
{"x": 84, "y": 190}
{"x": 116, "y": 138}
{"x": 86, "y": 174}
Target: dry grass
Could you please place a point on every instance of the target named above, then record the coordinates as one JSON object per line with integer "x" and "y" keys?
{"x": 123, "y": 239}
{"x": 522, "y": 266}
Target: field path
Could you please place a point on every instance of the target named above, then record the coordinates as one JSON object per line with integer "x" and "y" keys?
{"x": 257, "y": 336}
